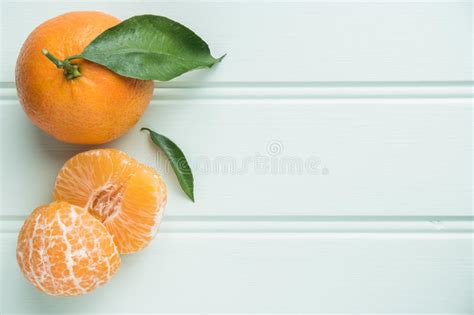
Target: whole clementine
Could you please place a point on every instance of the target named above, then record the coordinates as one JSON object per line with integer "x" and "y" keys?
{"x": 84, "y": 102}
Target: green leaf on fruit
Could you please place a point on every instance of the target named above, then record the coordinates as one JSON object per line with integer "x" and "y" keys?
{"x": 150, "y": 47}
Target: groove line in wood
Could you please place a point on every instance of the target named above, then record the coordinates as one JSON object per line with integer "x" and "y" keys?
{"x": 294, "y": 225}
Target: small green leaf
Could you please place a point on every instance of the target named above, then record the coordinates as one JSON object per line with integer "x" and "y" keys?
{"x": 150, "y": 47}
{"x": 177, "y": 160}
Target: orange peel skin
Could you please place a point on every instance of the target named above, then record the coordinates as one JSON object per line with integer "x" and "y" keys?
{"x": 96, "y": 107}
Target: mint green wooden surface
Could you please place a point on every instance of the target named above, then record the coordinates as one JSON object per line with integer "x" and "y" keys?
{"x": 377, "y": 95}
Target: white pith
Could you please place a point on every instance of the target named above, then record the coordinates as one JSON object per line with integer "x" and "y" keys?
{"x": 42, "y": 240}
{"x": 68, "y": 253}
{"x": 106, "y": 201}
{"x": 158, "y": 219}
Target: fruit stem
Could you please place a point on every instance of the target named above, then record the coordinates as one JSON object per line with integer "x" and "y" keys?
{"x": 71, "y": 70}
{"x": 55, "y": 60}
{"x": 73, "y": 57}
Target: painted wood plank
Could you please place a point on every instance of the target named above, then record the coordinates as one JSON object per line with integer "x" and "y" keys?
{"x": 256, "y": 156}
{"x": 272, "y": 273}
{"x": 292, "y": 41}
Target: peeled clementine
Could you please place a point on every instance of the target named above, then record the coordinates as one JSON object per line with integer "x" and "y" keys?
{"x": 63, "y": 250}
{"x": 85, "y": 103}
{"x": 125, "y": 195}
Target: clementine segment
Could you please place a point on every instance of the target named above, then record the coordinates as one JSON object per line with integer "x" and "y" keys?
{"x": 125, "y": 195}
{"x": 63, "y": 250}
{"x": 95, "y": 107}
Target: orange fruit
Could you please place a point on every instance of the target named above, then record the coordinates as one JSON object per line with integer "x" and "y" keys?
{"x": 63, "y": 250}
{"x": 96, "y": 107}
{"x": 125, "y": 195}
